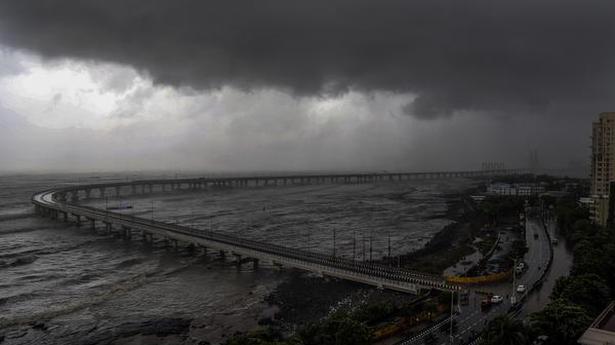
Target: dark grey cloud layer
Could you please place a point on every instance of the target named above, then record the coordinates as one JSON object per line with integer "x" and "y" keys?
{"x": 478, "y": 55}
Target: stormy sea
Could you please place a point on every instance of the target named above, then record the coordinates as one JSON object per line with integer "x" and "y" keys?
{"x": 63, "y": 284}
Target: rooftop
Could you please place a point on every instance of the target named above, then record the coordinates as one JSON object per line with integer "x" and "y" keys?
{"x": 602, "y": 330}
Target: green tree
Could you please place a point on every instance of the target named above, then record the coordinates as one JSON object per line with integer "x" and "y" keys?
{"x": 340, "y": 330}
{"x": 504, "y": 330}
{"x": 588, "y": 290}
{"x": 561, "y": 321}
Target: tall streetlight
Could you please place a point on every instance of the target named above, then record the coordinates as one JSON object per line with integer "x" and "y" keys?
{"x": 354, "y": 244}
{"x": 370, "y": 245}
{"x": 513, "y": 297}
{"x": 389, "y": 255}
{"x": 451, "y": 325}
{"x": 363, "y": 243}
{"x": 333, "y": 242}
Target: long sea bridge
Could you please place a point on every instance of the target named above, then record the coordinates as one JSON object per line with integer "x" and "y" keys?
{"x": 62, "y": 203}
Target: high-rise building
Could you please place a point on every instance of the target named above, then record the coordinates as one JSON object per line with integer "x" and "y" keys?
{"x": 602, "y": 166}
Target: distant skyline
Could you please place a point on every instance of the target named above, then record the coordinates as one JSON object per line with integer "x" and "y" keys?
{"x": 269, "y": 85}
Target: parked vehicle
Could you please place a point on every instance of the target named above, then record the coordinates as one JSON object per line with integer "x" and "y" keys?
{"x": 497, "y": 299}
{"x": 521, "y": 288}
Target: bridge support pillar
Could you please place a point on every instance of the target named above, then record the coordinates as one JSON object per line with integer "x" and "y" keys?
{"x": 191, "y": 247}
{"x": 255, "y": 264}
{"x": 108, "y": 227}
{"x": 77, "y": 219}
{"x": 147, "y": 237}
{"x": 65, "y": 216}
{"x": 126, "y": 232}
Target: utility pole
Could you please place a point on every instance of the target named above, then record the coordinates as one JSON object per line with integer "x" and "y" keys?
{"x": 389, "y": 256}
{"x": 363, "y": 242}
{"x": 451, "y": 324}
{"x": 354, "y": 245}
{"x": 513, "y": 298}
{"x": 333, "y": 242}
{"x": 370, "y": 246}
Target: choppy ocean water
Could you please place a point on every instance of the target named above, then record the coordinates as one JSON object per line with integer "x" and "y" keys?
{"x": 60, "y": 284}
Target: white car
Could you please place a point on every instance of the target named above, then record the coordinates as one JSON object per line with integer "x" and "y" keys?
{"x": 521, "y": 288}
{"x": 497, "y": 299}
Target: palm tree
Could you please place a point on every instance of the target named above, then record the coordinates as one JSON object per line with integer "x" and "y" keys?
{"x": 504, "y": 330}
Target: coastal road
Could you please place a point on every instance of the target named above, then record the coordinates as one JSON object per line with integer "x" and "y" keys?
{"x": 470, "y": 319}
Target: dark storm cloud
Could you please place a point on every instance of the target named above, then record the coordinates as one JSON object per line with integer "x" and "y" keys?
{"x": 485, "y": 55}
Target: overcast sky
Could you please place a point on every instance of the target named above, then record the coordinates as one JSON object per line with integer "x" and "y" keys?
{"x": 293, "y": 85}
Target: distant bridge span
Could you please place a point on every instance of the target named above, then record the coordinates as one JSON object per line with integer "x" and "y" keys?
{"x": 61, "y": 202}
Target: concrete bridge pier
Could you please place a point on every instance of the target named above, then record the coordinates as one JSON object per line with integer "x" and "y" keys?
{"x": 255, "y": 264}
{"x": 108, "y": 227}
{"x": 65, "y": 216}
{"x": 191, "y": 247}
{"x": 77, "y": 219}
{"x": 237, "y": 260}
{"x": 126, "y": 232}
{"x": 92, "y": 223}
{"x": 147, "y": 237}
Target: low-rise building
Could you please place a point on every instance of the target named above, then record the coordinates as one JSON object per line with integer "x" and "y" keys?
{"x": 516, "y": 189}
{"x": 602, "y": 330}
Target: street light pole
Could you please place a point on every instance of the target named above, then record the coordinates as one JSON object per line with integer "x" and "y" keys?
{"x": 513, "y": 298}
{"x": 389, "y": 248}
{"x": 370, "y": 246}
{"x": 363, "y": 242}
{"x": 354, "y": 245}
{"x": 451, "y": 324}
{"x": 333, "y": 242}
